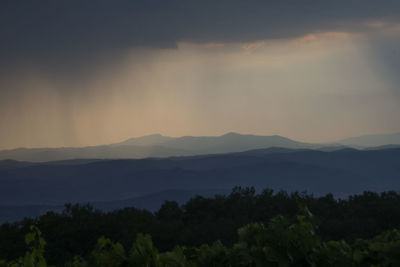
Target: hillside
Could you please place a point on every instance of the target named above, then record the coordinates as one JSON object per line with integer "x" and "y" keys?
{"x": 372, "y": 140}
{"x": 341, "y": 172}
{"x": 155, "y": 146}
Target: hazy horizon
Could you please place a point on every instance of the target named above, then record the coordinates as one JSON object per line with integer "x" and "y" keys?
{"x": 81, "y": 74}
{"x": 215, "y": 135}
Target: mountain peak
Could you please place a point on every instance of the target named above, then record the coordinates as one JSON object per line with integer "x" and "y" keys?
{"x": 232, "y": 134}
{"x": 151, "y": 139}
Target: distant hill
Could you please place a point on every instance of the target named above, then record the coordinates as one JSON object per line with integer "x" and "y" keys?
{"x": 94, "y": 152}
{"x": 12, "y": 164}
{"x": 151, "y": 202}
{"x": 159, "y": 146}
{"x": 155, "y": 146}
{"x": 232, "y": 142}
{"x": 372, "y": 140}
{"x": 148, "y": 140}
{"x": 118, "y": 183}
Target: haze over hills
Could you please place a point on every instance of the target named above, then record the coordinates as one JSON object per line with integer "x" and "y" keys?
{"x": 145, "y": 171}
{"x": 372, "y": 140}
{"x": 148, "y": 140}
{"x": 146, "y": 183}
{"x": 156, "y": 146}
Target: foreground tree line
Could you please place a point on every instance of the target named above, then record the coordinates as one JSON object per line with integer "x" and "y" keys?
{"x": 356, "y": 231}
{"x": 279, "y": 243}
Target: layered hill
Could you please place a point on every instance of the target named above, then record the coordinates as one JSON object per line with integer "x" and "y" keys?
{"x": 155, "y": 146}
{"x": 372, "y": 140}
{"x": 146, "y": 183}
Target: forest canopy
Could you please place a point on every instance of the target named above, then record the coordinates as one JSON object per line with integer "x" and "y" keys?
{"x": 242, "y": 222}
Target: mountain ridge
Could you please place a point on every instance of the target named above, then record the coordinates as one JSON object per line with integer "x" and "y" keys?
{"x": 155, "y": 145}
{"x": 372, "y": 140}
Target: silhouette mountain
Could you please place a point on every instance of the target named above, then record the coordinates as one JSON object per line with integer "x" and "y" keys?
{"x": 372, "y": 140}
{"x": 148, "y": 140}
{"x": 232, "y": 142}
{"x": 155, "y": 146}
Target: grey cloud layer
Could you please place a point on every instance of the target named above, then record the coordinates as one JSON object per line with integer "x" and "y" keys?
{"x": 41, "y": 29}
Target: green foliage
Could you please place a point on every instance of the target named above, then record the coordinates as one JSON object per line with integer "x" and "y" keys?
{"x": 242, "y": 229}
{"x": 175, "y": 258}
{"x": 280, "y": 243}
{"x": 78, "y": 261}
{"x": 34, "y": 257}
{"x": 108, "y": 254}
{"x": 382, "y": 250}
{"x": 143, "y": 253}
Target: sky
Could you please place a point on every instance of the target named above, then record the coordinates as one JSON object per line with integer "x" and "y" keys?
{"x": 80, "y": 73}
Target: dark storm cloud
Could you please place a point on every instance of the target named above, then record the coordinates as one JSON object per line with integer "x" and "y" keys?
{"x": 70, "y": 30}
